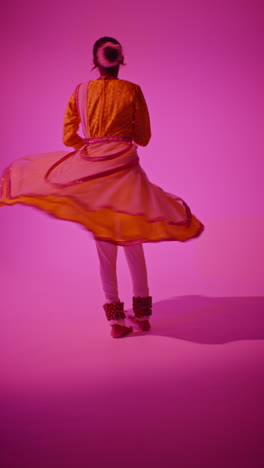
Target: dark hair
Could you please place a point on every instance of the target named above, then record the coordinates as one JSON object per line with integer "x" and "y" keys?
{"x": 110, "y": 53}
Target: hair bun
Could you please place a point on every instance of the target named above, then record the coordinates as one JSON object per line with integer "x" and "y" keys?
{"x": 109, "y": 55}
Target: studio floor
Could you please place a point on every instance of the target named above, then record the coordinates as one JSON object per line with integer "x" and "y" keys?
{"x": 187, "y": 394}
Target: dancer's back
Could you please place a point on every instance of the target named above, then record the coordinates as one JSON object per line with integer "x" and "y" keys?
{"x": 114, "y": 108}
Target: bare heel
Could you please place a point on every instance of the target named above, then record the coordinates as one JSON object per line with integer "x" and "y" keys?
{"x": 118, "y": 331}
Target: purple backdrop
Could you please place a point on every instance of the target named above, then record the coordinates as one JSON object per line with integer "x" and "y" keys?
{"x": 200, "y": 66}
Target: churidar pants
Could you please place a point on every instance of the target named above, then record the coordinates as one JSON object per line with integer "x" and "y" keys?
{"x": 107, "y": 253}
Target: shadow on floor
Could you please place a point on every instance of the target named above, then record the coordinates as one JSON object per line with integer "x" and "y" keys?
{"x": 194, "y": 409}
{"x": 209, "y": 320}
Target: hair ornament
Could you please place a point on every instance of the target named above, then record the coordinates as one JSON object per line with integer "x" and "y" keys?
{"x": 103, "y": 61}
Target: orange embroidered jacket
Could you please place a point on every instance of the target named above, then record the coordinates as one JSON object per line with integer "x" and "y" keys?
{"x": 114, "y": 108}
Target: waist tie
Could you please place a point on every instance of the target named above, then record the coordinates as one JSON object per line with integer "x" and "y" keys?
{"x": 106, "y": 139}
{"x": 92, "y": 158}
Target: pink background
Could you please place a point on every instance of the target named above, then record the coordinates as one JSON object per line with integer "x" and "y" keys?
{"x": 200, "y": 66}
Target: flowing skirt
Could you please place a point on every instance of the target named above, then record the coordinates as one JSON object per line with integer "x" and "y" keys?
{"x": 103, "y": 188}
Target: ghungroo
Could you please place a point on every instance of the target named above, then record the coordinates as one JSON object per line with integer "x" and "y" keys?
{"x": 114, "y": 310}
{"x": 142, "y": 306}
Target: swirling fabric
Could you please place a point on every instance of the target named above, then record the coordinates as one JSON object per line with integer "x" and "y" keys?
{"x": 101, "y": 184}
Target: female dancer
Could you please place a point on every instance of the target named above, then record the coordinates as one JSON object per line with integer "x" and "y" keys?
{"x": 101, "y": 184}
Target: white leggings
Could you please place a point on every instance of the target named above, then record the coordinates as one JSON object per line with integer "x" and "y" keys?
{"x": 107, "y": 253}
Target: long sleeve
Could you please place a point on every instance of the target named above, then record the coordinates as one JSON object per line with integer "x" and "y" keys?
{"x": 141, "y": 121}
{"x": 71, "y": 125}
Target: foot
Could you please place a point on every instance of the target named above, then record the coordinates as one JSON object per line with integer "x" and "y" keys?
{"x": 144, "y": 325}
{"x": 118, "y": 331}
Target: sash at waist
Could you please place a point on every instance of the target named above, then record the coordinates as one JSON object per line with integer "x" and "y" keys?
{"x": 106, "y": 139}
{"x": 109, "y": 156}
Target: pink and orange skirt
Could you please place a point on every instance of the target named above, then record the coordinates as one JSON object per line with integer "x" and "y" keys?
{"x": 102, "y": 187}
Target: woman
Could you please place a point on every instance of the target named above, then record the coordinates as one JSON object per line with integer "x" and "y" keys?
{"x": 101, "y": 184}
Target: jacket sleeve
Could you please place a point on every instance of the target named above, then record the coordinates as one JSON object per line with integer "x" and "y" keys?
{"x": 71, "y": 125}
{"x": 141, "y": 121}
